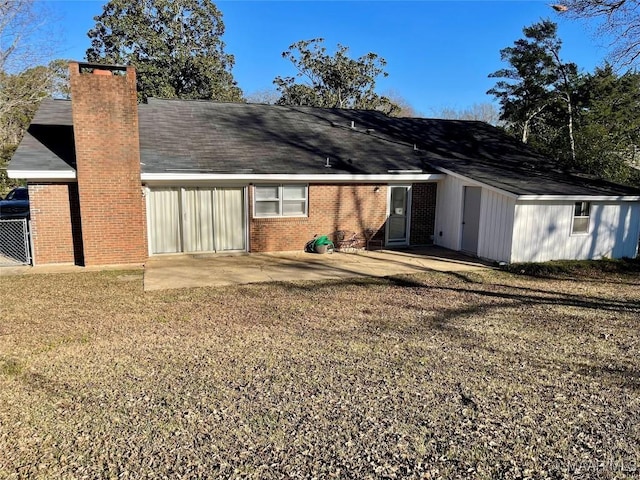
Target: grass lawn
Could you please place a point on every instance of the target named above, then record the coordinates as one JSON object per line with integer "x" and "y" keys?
{"x": 483, "y": 375}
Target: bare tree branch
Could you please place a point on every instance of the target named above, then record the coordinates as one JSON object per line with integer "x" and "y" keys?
{"x": 620, "y": 20}
{"x": 26, "y": 30}
{"x": 26, "y": 33}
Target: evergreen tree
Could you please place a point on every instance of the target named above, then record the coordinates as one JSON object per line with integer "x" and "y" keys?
{"x": 609, "y": 125}
{"x": 535, "y": 81}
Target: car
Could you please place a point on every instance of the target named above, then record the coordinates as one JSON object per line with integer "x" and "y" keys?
{"x": 15, "y": 204}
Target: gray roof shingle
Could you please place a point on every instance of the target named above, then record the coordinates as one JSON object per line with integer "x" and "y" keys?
{"x": 48, "y": 144}
{"x": 236, "y": 137}
{"x": 190, "y": 136}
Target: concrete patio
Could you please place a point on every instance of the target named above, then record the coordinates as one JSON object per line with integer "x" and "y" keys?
{"x": 206, "y": 270}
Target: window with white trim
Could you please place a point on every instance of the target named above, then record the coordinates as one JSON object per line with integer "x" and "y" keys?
{"x": 581, "y": 218}
{"x": 280, "y": 200}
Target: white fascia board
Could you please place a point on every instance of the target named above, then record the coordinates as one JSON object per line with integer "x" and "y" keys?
{"x": 579, "y": 198}
{"x": 42, "y": 174}
{"x": 310, "y": 178}
{"x": 476, "y": 183}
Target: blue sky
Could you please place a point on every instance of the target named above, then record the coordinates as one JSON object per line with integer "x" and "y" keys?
{"x": 439, "y": 53}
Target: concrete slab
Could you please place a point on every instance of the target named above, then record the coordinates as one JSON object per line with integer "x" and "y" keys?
{"x": 211, "y": 270}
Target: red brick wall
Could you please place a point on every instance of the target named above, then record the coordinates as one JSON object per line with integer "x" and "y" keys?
{"x": 52, "y": 231}
{"x": 105, "y": 117}
{"x": 331, "y": 208}
{"x": 423, "y": 213}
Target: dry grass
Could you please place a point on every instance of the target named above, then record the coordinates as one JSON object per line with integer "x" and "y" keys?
{"x": 430, "y": 376}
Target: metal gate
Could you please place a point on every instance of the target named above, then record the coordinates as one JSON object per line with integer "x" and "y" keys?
{"x": 14, "y": 243}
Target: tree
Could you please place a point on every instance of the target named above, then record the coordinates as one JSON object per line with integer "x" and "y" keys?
{"x": 175, "y": 45}
{"x": 332, "y": 81}
{"x": 586, "y": 122}
{"x": 22, "y": 83}
{"x": 26, "y": 33}
{"x": 545, "y": 33}
{"x": 536, "y": 79}
{"x": 524, "y": 91}
{"x": 609, "y": 124}
{"x": 267, "y": 96}
{"x": 25, "y": 42}
{"x": 482, "y": 112}
{"x": 405, "y": 109}
{"x": 621, "y": 19}
{"x": 20, "y": 96}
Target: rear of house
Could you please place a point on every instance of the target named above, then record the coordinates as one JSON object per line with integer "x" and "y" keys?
{"x": 260, "y": 178}
{"x": 490, "y": 223}
{"x": 113, "y": 182}
{"x": 268, "y": 216}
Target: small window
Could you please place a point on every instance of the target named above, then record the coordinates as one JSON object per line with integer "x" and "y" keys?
{"x": 581, "y": 217}
{"x": 280, "y": 200}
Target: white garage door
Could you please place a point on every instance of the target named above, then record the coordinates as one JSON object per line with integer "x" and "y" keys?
{"x": 196, "y": 219}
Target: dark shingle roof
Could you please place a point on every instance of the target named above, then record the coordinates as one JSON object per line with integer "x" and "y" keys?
{"x": 486, "y": 154}
{"x": 48, "y": 143}
{"x": 232, "y": 137}
{"x": 198, "y": 136}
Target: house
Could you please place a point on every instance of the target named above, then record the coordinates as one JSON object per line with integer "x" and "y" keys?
{"x": 113, "y": 182}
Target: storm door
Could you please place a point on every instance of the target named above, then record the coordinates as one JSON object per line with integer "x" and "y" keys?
{"x": 398, "y": 219}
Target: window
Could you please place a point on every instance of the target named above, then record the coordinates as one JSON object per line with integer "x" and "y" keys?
{"x": 280, "y": 200}
{"x": 581, "y": 217}
{"x": 19, "y": 193}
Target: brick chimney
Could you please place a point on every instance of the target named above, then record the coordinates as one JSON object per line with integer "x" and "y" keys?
{"x": 105, "y": 126}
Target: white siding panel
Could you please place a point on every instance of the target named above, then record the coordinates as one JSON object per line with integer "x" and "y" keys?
{"x": 542, "y": 232}
{"x": 496, "y": 220}
{"x": 496, "y": 226}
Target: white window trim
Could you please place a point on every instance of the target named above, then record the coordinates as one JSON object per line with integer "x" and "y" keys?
{"x": 574, "y": 217}
{"x": 281, "y": 200}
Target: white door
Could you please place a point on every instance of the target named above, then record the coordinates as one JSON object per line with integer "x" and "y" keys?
{"x": 398, "y": 219}
{"x": 196, "y": 219}
{"x": 471, "y": 219}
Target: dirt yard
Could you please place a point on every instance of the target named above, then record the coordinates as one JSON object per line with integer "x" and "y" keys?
{"x": 483, "y": 375}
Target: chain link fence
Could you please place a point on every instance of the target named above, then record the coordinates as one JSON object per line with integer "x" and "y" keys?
{"x": 14, "y": 243}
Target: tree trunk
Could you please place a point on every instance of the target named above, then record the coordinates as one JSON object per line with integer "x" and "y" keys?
{"x": 572, "y": 140}
{"x": 567, "y": 98}
{"x": 525, "y": 131}
{"x": 526, "y": 127}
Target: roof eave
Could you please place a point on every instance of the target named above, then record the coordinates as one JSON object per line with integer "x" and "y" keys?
{"x": 477, "y": 183}
{"x": 540, "y": 197}
{"x": 277, "y": 177}
{"x": 576, "y": 198}
{"x": 42, "y": 175}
